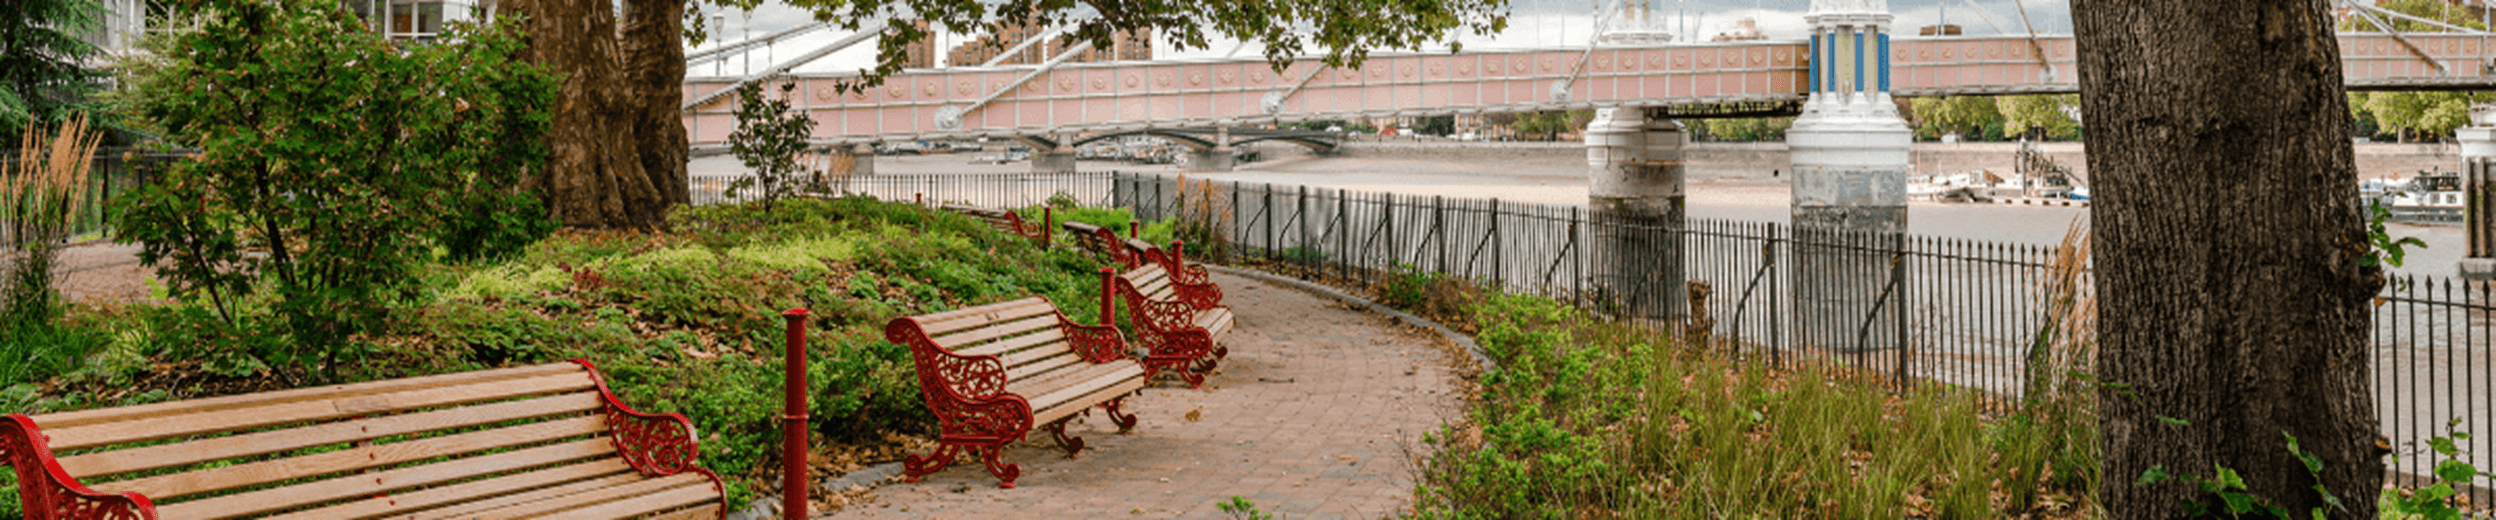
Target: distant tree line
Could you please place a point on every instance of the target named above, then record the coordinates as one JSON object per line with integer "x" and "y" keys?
{"x": 2413, "y": 116}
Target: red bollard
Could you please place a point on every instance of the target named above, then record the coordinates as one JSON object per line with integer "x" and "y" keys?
{"x": 1178, "y": 255}
{"x": 918, "y": 198}
{"x": 793, "y": 449}
{"x": 1135, "y": 229}
{"x": 1048, "y": 226}
{"x": 1109, "y": 311}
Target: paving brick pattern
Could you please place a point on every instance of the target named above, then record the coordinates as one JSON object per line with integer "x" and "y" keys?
{"x": 1310, "y": 418}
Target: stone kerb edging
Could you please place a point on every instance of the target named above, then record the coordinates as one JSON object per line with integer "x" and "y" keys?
{"x": 1458, "y": 338}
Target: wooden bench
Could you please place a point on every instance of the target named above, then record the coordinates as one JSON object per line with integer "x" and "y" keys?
{"x": 544, "y": 441}
{"x": 1176, "y": 334}
{"x": 991, "y": 372}
{"x": 1008, "y": 221}
{"x": 1093, "y": 238}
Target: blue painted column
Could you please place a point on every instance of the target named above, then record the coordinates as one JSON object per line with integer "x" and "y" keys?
{"x": 1850, "y": 151}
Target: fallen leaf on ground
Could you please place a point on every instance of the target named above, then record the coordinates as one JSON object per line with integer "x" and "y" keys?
{"x": 1194, "y": 414}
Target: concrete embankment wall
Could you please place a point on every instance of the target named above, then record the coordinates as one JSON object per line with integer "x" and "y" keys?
{"x": 1762, "y": 159}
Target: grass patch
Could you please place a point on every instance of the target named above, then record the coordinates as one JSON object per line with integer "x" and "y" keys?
{"x": 1594, "y": 418}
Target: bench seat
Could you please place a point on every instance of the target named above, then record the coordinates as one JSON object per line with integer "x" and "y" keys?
{"x": 990, "y": 373}
{"x": 544, "y": 441}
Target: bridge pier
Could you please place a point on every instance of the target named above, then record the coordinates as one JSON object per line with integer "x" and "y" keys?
{"x": 1851, "y": 157}
{"x": 1059, "y": 158}
{"x": 2478, "y": 182}
{"x": 1635, "y": 170}
{"x": 1219, "y": 158}
{"x": 1215, "y": 159}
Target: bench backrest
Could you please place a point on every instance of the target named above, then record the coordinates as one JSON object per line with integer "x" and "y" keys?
{"x": 1004, "y": 220}
{"x": 972, "y": 353}
{"x": 333, "y": 451}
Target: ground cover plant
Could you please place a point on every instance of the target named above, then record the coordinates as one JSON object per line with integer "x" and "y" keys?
{"x": 1588, "y": 417}
{"x": 683, "y": 320}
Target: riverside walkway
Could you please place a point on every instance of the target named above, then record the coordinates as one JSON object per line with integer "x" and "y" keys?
{"x": 1311, "y": 417}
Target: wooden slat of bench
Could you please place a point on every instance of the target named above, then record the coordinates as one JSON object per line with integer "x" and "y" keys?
{"x": 641, "y": 504}
{"x": 273, "y": 414}
{"x": 164, "y": 487}
{"x": 1041, "y": 362}
{"x": 1216, "y": 321}
{"x": 1010, "y": 345}
{"x": 588, "y": 497}
{"x": 277, "y": 499}
{"x": 1058, "y": 388}
{"x": 699, "y": 513}
{"x": 968, "y": 337}
{"x": 1079, "y": 404}
{"x": 466, "y": 496}
{"x": 55, "y": 422}
{"x": 204, "y": 450}
{"x": 958, "y": 319}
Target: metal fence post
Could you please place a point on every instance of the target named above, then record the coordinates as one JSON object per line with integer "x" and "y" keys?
{"x": 1269, "y": 222}
{"x": 1898, "y": 272}
{"x": 1499, "y": 247}
{"x": 1302, "y": 216}
{"x": 1438, "y": 228}
{"x": 1577, "y": 259}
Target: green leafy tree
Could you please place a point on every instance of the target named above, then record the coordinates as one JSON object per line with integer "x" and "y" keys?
{"x": 1749, "y": 129}
{"x": 1441, "y": 125}
{"x": 41, "y": 76}
{"x": 2048, "y": 115}
{"x": 768, "y": 138}
{"x": 1963, "y": 115}
{"x": 332, "y": 163}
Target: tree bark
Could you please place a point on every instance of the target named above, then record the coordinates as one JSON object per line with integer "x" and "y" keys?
{"x": 654, "y": 54}
{"x": 594, "y": 174}
{"x": 2228, "y": 248}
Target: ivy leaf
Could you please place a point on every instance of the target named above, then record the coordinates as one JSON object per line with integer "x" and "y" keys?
{"x": 2155, "y": 474}
{"x": 2456, "y": 471}
{"x": 2443, "y": 446}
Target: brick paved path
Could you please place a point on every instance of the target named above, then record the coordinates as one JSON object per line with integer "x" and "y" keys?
{"x": 1309, "y": 418}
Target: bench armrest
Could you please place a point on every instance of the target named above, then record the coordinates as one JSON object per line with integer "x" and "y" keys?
{"x": 656, "y": 444}
{"x": 1094, "y": 343}
{"x": 943, "y": 374}
{"x": 1202, "y": 296}
{"x": 46, "y": 492}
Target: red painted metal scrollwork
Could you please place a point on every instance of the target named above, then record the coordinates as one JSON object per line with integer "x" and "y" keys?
{"x": 1125, "y": 255}
{"x": 965, "y": 395}
{"x": 654, "y": 444}
{"x": 1168, "y": 332}
{"x": 46, "y": 492}
{"x": 1015, "y": 224}
{"x": 1094, "y": 343}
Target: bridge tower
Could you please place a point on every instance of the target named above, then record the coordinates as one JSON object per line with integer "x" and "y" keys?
{"x": 1850, "y": 151}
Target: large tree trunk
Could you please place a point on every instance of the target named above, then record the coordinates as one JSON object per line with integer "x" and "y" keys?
{"x": 2228, "y": 245}
{"x": 654, "y": 56}
{"x": 594, "y": 176}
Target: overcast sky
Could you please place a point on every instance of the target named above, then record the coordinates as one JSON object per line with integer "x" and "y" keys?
{"x": 1531, "y": 23}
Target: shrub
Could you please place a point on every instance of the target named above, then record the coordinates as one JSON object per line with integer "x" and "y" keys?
{"x": 39, "y": 197}
{"x": 768, "y": 137}
{"x": 333, "y": 183}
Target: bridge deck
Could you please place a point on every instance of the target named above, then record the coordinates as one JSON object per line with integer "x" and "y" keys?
{"x": 1200, "y": 93}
